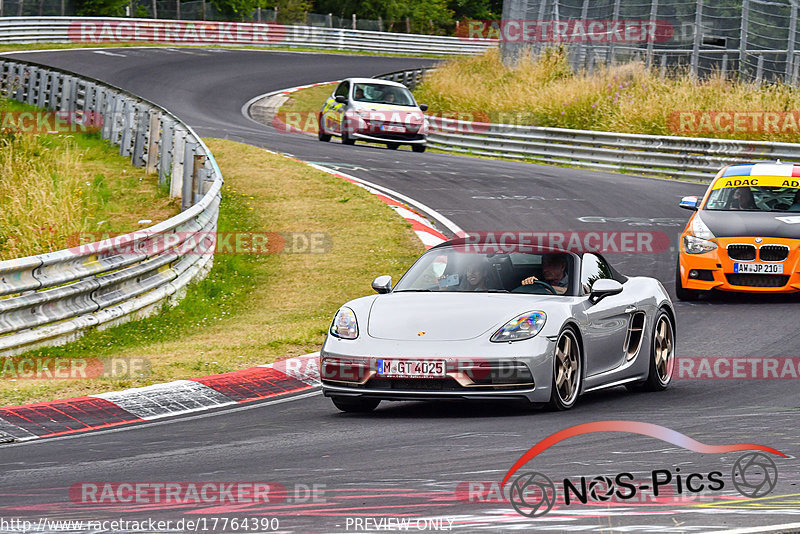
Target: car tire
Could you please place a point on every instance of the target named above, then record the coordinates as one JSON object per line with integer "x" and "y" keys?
{"x": 321, "y": 135}
{"x": 662, "y": 355}
{"x": 680, "y": 292}
{"x": 355, "y": 405}
{"x": 392, "y": 146}
{"x": 346, "y": 139}
{"x": 567, "y": 371}
{"x": 418, "y": 148}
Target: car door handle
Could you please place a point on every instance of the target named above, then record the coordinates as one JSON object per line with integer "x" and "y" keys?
{"x": 630, "y": 309}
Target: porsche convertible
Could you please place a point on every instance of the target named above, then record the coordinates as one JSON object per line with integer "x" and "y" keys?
{"x": 471, "y": 320}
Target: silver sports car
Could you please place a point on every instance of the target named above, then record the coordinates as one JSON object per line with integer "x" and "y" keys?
{"x": 482, "y": 321}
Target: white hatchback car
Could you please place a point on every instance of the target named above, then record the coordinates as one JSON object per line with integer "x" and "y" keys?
{"x": 376, "y": 111}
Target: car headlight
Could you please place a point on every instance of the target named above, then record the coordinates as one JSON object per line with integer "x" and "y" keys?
{"x": 699, "y": 239}
{"x": 522, "y": 327}
{"x": 344, "y": 324}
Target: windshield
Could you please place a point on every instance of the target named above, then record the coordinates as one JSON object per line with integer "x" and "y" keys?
{"x": 455, "y": 270}
{"x": 382, "y": 94}
{"x": 754, "y": 198}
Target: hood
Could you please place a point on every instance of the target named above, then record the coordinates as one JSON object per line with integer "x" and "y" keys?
{"x": 752, "y": 223}
{"x": 446, "y": 316}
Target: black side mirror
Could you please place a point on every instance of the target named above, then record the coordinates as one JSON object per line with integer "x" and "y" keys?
{"x": 423, "y": 107}
{"x": 341, "y": 99}
{"x": 382, "y": 284}
{"x": 604, "y": 287}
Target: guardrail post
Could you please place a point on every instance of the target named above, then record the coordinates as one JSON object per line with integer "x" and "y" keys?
{"x": 795, "y": 73}
{"x": 165, "y": 147}
{"x": 724, "y": 65}
{"x": 19, "y": 94}
{"x": 52, "y": 91}
{"x": 30, "y": 97}
{"x": 199, "y": 177}
{"x": 663, "y": 72}
{"x": 178, "y": 149}
{"x": 153, "y": 141}
{"x": 66, "y": 92}
{"x": 108, "y": 114}
{"x": 187, "y": 190}
{"x": 128, "y": 125}
{"x": 140, "y": 135}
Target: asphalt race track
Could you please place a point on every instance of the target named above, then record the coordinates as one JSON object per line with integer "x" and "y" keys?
{"x": 414, "y": 460}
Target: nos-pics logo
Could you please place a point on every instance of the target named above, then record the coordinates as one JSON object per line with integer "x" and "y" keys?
{"x": 533, "y": 494}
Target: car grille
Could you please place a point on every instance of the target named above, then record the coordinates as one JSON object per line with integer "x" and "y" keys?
{"x": 742, "y": 252}
{"x": 393, "y": 136}
{"x": 757, "y": 280}
{"x": 773, "y": 252}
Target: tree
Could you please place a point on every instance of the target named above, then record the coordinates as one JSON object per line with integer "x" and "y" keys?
{"x": 100, "y": 8}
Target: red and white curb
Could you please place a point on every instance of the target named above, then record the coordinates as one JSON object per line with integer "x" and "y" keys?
{"x": 54, "y": 418}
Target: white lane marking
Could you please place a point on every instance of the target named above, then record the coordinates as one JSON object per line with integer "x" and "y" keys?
{"x": 106, "y": 53}
{"x": 748, "y": 530}
{"x": 125, "y": 428}
{"x": 450, "y": 225}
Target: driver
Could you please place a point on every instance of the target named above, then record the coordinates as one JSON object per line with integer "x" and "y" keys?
{"x": 743, "y": 199}
{"x": 554, "y": 272}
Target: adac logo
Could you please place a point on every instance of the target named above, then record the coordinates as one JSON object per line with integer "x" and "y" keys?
{"x": 533, "y": 494}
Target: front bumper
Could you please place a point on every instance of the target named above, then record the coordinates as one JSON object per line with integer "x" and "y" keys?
{"x": 402, "y": 139}
{"x": 518, "y": 376}
{"x": 715, "y": 269}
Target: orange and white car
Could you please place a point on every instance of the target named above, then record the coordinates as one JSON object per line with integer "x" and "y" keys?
{"x": 744, "y": 234}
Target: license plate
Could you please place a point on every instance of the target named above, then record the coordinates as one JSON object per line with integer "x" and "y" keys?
{"x": 758, "y": 268}
{"x": 394, "y": 129}
{"x": 412, "y": 368}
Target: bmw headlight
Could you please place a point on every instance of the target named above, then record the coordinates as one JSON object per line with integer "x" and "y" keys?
{"x": 344, "y": 324}
{"x": 522, "y": 327}
{"x": 699, "y": 239}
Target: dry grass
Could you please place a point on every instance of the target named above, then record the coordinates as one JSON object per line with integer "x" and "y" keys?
{"x": 253, "y": 309}
{"x": 55, "y": 186}
{"x": 627, "y": 98}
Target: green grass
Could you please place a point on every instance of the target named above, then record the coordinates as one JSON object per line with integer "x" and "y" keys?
{"x": 252, "y": 309}
{"x": 60, "y": 189}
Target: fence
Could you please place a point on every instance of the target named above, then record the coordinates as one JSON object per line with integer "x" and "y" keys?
{"x": 52, "y": 298}
{"x": 682, "y": 157}
{"x": 104, "y": 30}
{"x": 755, "y": 38}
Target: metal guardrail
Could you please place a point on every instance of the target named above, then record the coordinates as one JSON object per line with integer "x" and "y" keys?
{"x": 69, "y": 29}
{"x": 687, "y": 157}
{"x": 52, "y": 298}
